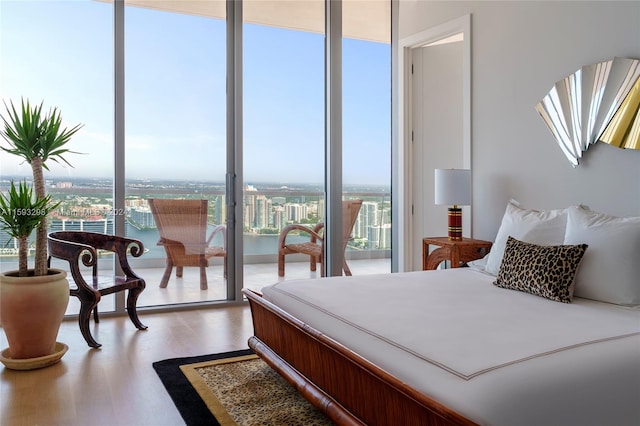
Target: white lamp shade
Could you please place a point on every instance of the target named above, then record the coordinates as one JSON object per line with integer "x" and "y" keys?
{"x": 453, "y": 187}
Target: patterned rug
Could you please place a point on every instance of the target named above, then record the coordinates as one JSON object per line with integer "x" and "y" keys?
{"x": 234, "y": 388}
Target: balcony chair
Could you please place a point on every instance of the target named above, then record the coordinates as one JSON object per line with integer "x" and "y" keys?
{"x": 182, "y": 225}
{"x": 314, "y": 248}
{"x": 79, "y": 246}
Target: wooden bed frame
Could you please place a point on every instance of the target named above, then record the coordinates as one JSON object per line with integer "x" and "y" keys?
{"x": 345, "y": 386}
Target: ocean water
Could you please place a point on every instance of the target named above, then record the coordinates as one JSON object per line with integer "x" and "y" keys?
{"x": 253, "y": 244}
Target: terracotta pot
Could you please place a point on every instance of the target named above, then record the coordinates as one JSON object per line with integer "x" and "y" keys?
{"x": 31, "y": 311}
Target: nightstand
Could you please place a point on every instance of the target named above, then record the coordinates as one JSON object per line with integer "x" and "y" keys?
{"x": 458, "y": 252}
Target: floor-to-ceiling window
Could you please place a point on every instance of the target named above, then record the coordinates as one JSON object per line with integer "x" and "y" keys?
{"x": 60, "y": 53}
{"x": 175, "y": 121}
{"x": 283, "y": 137}
{"x": 175, "y": 140}
{"x": 284, "y": 133}
{"x": 366, "y": 131}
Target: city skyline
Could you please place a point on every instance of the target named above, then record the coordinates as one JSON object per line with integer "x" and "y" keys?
{"x": 160, "y": 183}
{"x": 262, "y": 215}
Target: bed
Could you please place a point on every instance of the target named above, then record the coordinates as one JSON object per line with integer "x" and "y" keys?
{"x": 454, "y": 347}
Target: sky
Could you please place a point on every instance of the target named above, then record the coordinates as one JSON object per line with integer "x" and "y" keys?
{"x": 61, "y": 52}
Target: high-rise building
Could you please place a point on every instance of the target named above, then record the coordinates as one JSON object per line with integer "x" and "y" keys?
{"x": 262, "y": 209}
{"x": 367, "y": 218}
{"x": 295, "y": 212}
{"x": 279, "y": 217}
{"x": 249, "y": 206}
{"x": 220, "y": 210}
{"x": 141, "y": 218}
{"x": 379, "y": 237}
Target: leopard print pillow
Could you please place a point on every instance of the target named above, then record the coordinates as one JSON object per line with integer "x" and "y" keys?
{"x": 547, "y": 271}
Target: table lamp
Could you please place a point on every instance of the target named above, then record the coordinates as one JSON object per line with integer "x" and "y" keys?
{"x": 453, "y": 188}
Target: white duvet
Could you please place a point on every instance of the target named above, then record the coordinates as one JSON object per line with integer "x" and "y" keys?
{"x": 497, "y": 356}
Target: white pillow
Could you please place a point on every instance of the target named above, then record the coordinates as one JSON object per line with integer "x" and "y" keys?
{"x": 479, "y": 265}
{"x": 610, "y": 270}
{"x": 546, "y": 227}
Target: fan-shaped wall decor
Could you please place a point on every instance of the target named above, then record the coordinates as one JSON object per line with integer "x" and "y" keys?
{"x": 599, "y": 102}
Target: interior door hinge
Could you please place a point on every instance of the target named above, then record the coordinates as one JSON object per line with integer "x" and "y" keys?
{"x": 411, "y": 68}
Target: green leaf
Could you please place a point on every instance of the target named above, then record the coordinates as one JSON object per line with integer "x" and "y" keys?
{"x": 20, "y": 212}
{"x": 30, "y": 134}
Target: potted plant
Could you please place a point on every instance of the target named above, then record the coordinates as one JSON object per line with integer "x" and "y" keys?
{"x": 27, "y": 295}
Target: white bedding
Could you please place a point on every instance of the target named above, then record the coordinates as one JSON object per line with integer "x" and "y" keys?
{"x": 497, "y": 356}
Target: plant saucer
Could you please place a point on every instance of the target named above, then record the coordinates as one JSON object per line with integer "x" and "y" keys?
{"x": 32, "y": 363}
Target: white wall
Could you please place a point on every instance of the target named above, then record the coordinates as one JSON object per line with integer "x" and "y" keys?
{"x": 519, "y": 50}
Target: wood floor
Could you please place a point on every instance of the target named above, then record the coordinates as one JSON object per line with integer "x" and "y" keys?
{"x": 116, "y": 385}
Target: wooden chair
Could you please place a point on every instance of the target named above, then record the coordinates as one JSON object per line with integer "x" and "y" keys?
{"x": 182, "y": 225}
{"x": 315, "y": 246}
{"x": 78, "y": 246}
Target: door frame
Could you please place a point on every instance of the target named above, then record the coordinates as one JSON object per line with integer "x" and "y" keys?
{"x": 405, "y": 101}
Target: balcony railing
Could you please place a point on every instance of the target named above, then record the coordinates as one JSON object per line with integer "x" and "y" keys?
{"x": 85, "y": 205}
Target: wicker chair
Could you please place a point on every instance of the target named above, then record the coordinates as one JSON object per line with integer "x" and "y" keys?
{"x": 78, "y": 247}
{"x": 315, "y": 246}
{"x": 182, "y": 225}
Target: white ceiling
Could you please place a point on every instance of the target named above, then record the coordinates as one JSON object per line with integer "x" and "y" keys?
{"x": 362, "y": 19}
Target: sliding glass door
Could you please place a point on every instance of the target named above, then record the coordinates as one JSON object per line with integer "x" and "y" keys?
{"x": 283, "y": 136}
{"x": 366, "y": 132}
{"x": 175, "y": 145}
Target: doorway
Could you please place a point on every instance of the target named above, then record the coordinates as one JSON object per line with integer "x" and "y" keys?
{"x": 435, "y": 129}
